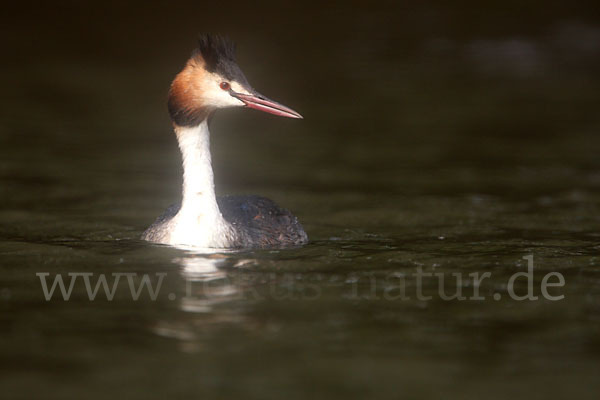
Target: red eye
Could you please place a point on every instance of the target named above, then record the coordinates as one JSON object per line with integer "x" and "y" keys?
{"x": 225, "y": 85}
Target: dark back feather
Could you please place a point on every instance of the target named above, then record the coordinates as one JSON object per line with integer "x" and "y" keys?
{"x": 260, "y": 223}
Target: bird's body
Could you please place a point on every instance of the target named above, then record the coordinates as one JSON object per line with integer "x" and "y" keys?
{"x": 253, "y": 222}
{"x": 212, "y": 80}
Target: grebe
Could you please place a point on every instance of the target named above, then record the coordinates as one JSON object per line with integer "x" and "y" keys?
{"x": 211, "y": 79}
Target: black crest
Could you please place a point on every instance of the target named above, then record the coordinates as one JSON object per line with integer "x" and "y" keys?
{"x": 218, "y": 53}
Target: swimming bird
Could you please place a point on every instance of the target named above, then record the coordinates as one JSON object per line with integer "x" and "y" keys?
{"x": 211, "y": 80}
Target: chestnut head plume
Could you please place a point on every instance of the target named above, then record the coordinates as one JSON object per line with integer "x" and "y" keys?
{"x": 212, "y": 79}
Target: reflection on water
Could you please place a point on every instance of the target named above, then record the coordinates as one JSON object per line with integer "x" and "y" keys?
{"x": 207, "y": 286}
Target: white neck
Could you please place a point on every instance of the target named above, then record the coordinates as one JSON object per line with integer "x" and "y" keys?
{"x": 199, "y": 221}
{"x": 198, "y": 184}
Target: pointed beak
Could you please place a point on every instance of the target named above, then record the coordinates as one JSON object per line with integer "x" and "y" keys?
{"x": 261, "y": 103}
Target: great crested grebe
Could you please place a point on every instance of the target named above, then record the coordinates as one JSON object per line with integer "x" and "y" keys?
{"x": 211, "y": 79}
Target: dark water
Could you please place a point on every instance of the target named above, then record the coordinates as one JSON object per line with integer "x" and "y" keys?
{"x": 440, "y": 139}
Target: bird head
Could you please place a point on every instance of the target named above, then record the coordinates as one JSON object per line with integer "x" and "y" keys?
{"x": 212, "y": 79}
